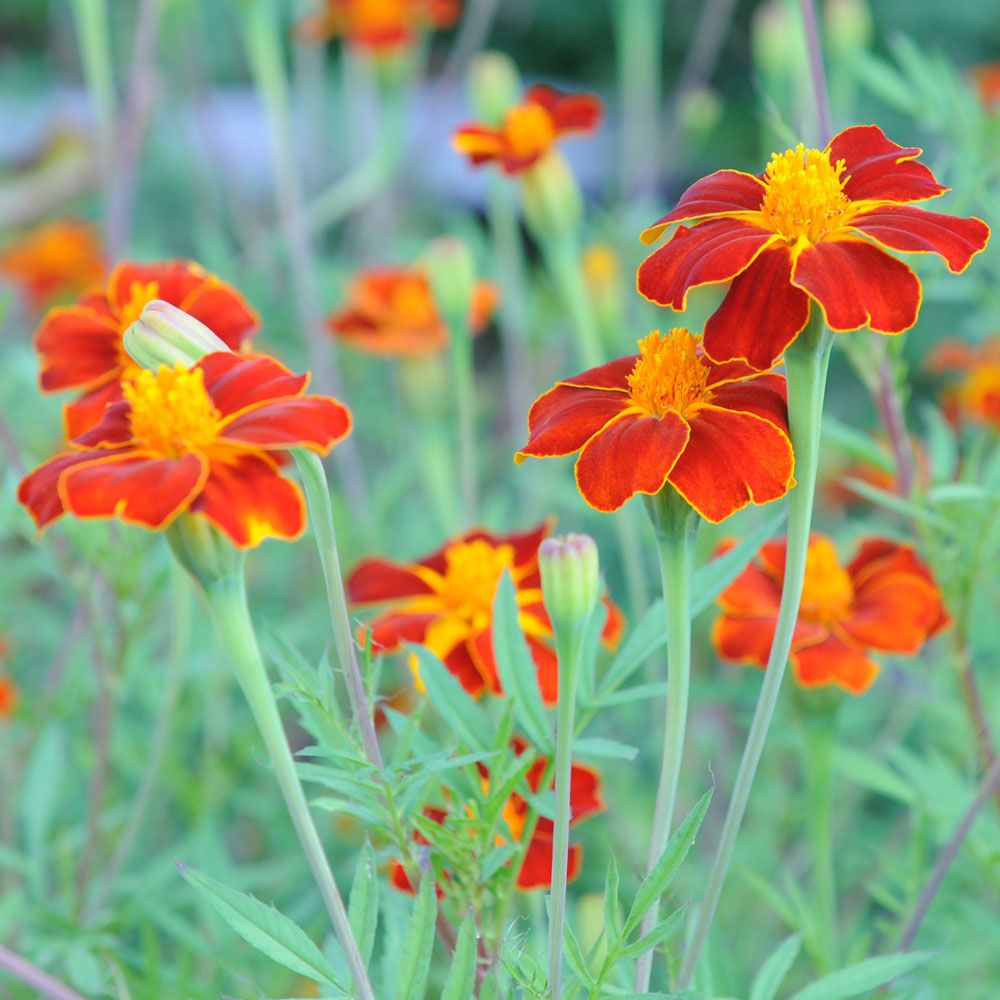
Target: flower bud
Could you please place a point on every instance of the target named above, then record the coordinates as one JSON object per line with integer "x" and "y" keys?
{"x": 849, "y": 25}
{"x": 494, "y": 86}
{"x": 166, "y": 335}
{"x": 203, "y": 550}
{"x": 553, "y": 204}
{"x": 571, "y": 580}
{"x": 452, "y": 275}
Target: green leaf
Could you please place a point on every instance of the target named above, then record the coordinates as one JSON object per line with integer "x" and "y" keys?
{"x": 657, "y": 881}
{"x": 461, "y": 979}
{"x": 415, "y": 961}
{"x": 863, "y": 977}
{"x": 598, "y": 746}
{"x": 855, "y": 444}
{"x": 517, "y": 670}
{"x": 772, "y": 973}
{"x": 463, "y": 714}
{"x": 43, "y": 777}
{"x": 942, "y": 446}
{"x": 898, "y": 505}
{"x": 663, "y": 932}
{"x": 362, "y": 907}
{"x": 574, "y": 955}
{"x": 612, "y": 916}
{"x": 264, "y": 928}
{"x": 643, "y": 639}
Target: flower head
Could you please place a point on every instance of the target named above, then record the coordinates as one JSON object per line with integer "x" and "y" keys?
{"x": 814, "y": 227}
{"x": 206, "y": 440}
{"x": 976, "y": 394}
{"x": 377, "y": 26}
{"x": 718, "y": 434}
{"x": 391, "y": 311}
{"x": 445, "y": 601}
{"x": 81, "y": 345}
{"x": 884, "y": 600}
{"x": 529, "y": 129}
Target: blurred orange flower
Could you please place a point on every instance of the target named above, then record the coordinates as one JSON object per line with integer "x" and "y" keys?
{"x": 53, "y": 261}
{"x": 391, "y": 311}
{"x": 8, "y": 697}
{"x": 718, "y": 434}
{"x": 377, "y": 26}
{"x": 529, "y": 129}
{"x": 445, "y": 602}
{"x": 976, "y": 394}
{"x": 885, "y": 600}
{"x": 814, "y": 227}
{"x": 205, "y": 440}
{"x": 81, "y": 345}
{"x": 986, "y": 79}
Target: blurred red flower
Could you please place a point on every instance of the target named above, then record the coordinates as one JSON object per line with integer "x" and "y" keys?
{"x": 205, "y": 440}
{"x": 718, "y": 434}
{"x": 8, "y": 697}
{"x": 813, "y": 227}
{"x": 884, "y": 600}
{"x": 377, "y": 26}
{"x": 986, "y": 79}
{"x": 81, "y": 345}
{"x": 976, "y": 394}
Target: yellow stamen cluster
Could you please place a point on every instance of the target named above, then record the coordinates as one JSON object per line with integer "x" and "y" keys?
{"x": 412, "y": 303}
{"x": 529, "y": 130}
{"x": 669, "y": 374}
{"x": 805, "y": 194}
{"x": 172, "y": 413}
{"x": 827, "y": 591}
{"x": 139, "y": 296}
{"x": 472, "y": 572}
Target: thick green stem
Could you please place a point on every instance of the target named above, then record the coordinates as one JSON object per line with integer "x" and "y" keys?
{"x": 228, "y": 603}
{"x": 676, "y": 526}
{"x": 818, "y": 764}
{"x": 806, "y": 363}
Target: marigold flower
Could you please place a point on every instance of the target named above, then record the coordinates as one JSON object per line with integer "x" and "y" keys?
{"x": 81, "y": 345}
{"x": 391, "y": 311}
{"x": 986, "y": 79}
{"x": 8, "y": 697}
{"x": 977, "y": 392}
{"x": 529, "y": 129}
{"x": 814, "y": 226}
{"x": 52, "y": 261}
{"x": 718, "y": 434}
{"x": 377, "y": 26}
{"x": 838, "y": 493}
{"x": 884, "y": 600}
{"x": 206, "y": 440}
{"x": 445, "y": 602}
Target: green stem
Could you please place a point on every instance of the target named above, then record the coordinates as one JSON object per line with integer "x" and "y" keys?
{"x": 562, "y": 256}
{"x": 676, "y": 526}
{"x": 818, "y": 764}
{"x": 228, "y": 603}
{"x": 806, "y": 363}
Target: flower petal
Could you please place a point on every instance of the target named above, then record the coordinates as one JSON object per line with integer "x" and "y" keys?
{"x": 569, "y": 112}
{"x": 857, "y": 284}
{"x": 390, "y": 631}
{"x": 236, "y": 383}
{"x": 79, "y": 347}
{"x": 565, "y": 418}
{"x": 708, "y": 253}
{"x": 175, "y": 280}
{"x": 478, "y": 143}
{"x": 536, "y": 870}
{"x": 896, "y": 615}
{"x": 314, "y": 422}
{"x": 834, "y": 662}
{"x": 612, "y": 376}
{"x": 762, "y": 313}
{"x": 85, "y": 413}
{"x": 721, "y": 193}
{"x": 743, "y": 640}
{"x": 766, "y": 396}
{"x": 373, "y": 581}
{"x": 113, "y": 430}
{"x": 752, "y": 593}
{"x": 39, "y": 491}
{"x": 224, "y": 311}
{"x": 633, "y": 454}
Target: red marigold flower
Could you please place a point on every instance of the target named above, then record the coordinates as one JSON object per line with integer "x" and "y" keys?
{"x": 445, "y": 602}
{"x": 391, "y": 310}
{"x": 885, "y": 600}
{"x": 377, "y": 26}
{"x": 81, "y": 345}
{"x": 814, "y": 226}
{"x": 205, "y": 440}
{"x": 52, "y": 261}
{"x": 977, "y": 392}
{"x": 529, "y": 129}
{"x": 718, "y": 434}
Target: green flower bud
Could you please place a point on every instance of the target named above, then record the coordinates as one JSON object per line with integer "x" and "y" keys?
{"x": 550, "y": 194}
{"x": 452, "y": 275}
{"x": 166, "y": 335}
{"x": 494, "y": 86}
{"x": 571, "y": 580}
{"x": 203, "y": 550}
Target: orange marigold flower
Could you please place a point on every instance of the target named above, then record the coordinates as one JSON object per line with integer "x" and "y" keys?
{"x": 814, "y": 226}
{"x": 718, "y": 434}
{"x": 445, "y": 602}
{"x": 986, "y": 79}
{"x": 977, "y": 392}
{"x": 377, "y": 26}
{"x": 8, "y": 697}
{"x": 205, "y": 440}
{"x": 390, "y": 310}
{"x": 529, "y": 129}
{"x": 885, "y": 600}
{"x": 81, "y": 345}
{"x": 838, "y": 492}
{"x": 52, "y": 261}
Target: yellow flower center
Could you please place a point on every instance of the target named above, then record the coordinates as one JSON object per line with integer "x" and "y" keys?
{"x": 827, "y": 592}
{"x": 139, "y": 296}
{"x": 172, "y": 413}
{"x": 980, "y": 392}
{"x": 529, "y": 129}
{"x": 472, "y": 572}
{"x": 412, "y": 303}
{"x": 805, "y": 194}
{"x": 669, "y": 374}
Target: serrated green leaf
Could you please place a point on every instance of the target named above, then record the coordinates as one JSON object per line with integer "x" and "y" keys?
{"x": 415, "y": 961}
{"x": 461, "y": 979}
{"x": 863, "y": 977}
{"x": 776, "y": 966}
{"x": 362, "y": 906}
{"x": 464, "y": 716}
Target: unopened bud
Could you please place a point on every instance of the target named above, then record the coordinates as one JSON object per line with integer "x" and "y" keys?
{"x": 494, "y": 86}
{"x": 571, "y": 580}
{"x": 166, "y": 335}
{"x": 553, "y": 204}
{"x": 452, "y": 275}
{"x": 204, "y": 551}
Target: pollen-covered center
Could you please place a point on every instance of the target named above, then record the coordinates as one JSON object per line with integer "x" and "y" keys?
{"x": 172, "y": 413}
{"x": 412, "y": 303}
{"x": 827, "y": 591}
{"x": 529, "y": 129}
{"x": 140, "y": 294}
{"x": 472, "y": 572}
{"x": 670, "y": 373}
{"x": 805, "y": 194}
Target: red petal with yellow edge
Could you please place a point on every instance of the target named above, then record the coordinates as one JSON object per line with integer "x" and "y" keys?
{"x": 314, "y": 422}
{"x": 236, "y": 383}
{"x": 914, "y": 230}
{"x": 479, "y": 144}
{"x": 39, "y": 490}
{"x": 373, "y": 581}
{"x": 876, "y": 168}
{"x": 113, "y": 430}
{"x": 536, "y": 871}
{"x": 612, "y": 376}
{"x": 79, "y": 347}
{"x": 87, "y": 412}
{"x": 137, "y": 487}
{"x": 766, "y": 396}
{"x": 762, "y": 313}
{"x": 732, "y": 459}
{"x": 564, "y": 419}
{"x": 713, "y": 251}
{"x": 857, "y": 284}
{"x": 569, "y": 112}
{"x": 390, "y": 631}
{"x": 633, "y": 454}
{"x": 175, "y": 280}
{"x": 720, "y": 193}
{"x": 834, "y": 662}
{"x": 895, "y": 615}
{"x": 224, "y": 311}
{"x": 246, "y": 499}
